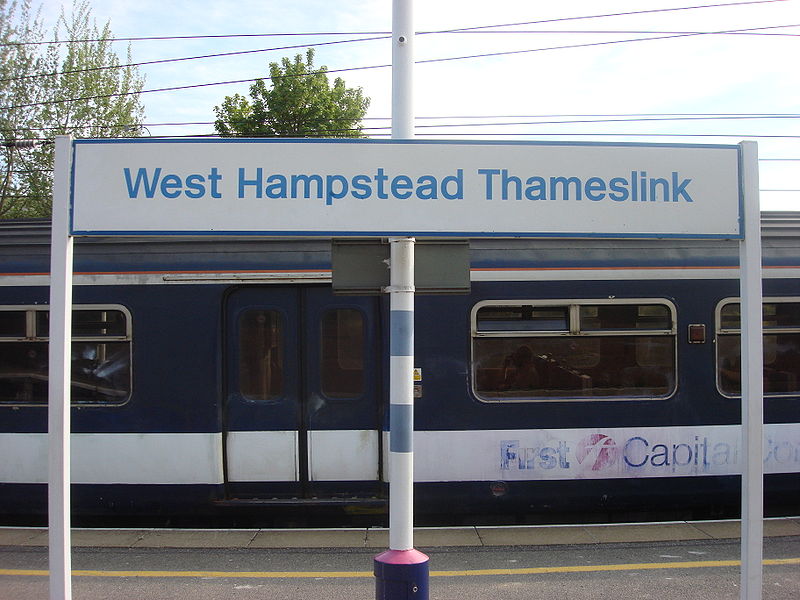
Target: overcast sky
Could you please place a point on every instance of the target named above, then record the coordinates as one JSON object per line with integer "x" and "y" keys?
{"x": 751, "y": 72}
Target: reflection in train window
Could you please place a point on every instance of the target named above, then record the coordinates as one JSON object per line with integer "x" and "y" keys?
{"x": 342, "y": 353}
{"x": 101, "y": 355}
{"x": 567, "y": 350}
{"x": 781, "y": 323}
{"x": 261, "y": 353}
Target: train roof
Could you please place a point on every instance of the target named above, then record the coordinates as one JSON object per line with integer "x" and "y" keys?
{"x": 32, "y": 231}
{"x": 25, "y": 249}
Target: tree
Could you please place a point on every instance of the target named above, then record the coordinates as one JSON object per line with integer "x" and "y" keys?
{"x": 300, "y": 103}
{"x": 77, "y": 88}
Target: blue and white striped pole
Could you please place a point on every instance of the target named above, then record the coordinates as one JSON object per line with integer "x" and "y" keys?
{"x": 401, "y": 572}
{"x": 401, "y": 395}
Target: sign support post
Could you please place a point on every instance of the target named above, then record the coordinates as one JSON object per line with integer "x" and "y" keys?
{"x": 58, "y": 489}
{"x": 402, "y": 191}
{"x": 752, "y": 366}
{"x": 401, "y": 572}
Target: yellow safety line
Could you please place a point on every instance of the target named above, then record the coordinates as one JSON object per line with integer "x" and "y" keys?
{"x": 364, "y": 574}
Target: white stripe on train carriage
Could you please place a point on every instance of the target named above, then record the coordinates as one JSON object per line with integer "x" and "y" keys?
{"x": 444, "y": 456}
{"x": 194, "y": 458}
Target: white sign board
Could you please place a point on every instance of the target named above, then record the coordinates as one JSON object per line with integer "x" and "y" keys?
{"x": 389, "y": 188}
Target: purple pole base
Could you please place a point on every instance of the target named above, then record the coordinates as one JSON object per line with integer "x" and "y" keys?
{"x": 401, "y": 575}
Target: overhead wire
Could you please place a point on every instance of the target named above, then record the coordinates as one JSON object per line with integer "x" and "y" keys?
{"x": 475, "y": 29}
{"x": 439, "y": 31}
{"x": 187, "y": 58}
{"x": 660, "y": 35}
{"x": 604, "y": 43}
{"x": 599, "y": 16}
{"x": 541, "y": 120}
{"x": 626, "y": 32}
{"x": 371, "y": 67}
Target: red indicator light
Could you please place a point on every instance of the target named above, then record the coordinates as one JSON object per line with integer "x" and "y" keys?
{"x": 697, "y": 334}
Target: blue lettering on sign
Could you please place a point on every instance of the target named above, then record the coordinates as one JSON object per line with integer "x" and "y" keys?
{"x": 496, "y": 184}
{"x": 380, "y": 185}
{"x": 638, "y": 187}
{"x": 171, "y": 185}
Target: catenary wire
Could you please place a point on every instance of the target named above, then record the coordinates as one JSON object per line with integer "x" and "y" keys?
{"x": 563, "y": 120}
{"x": 440, "y": 31}
{"x": 659, "y": 35}
{"x": 599, "y": 16}
{"x": 351, "y": 69}
{"x": 588, "y": 45}
{"x": 384, "y": 35}
{"x": 757, "y": 31}
{"x": 187, "y": 58}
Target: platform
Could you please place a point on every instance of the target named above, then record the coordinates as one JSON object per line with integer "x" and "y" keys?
{"x": 377, "y": 538}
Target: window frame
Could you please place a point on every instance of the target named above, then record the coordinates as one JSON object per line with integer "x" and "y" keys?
{"x": 31, "y": 336}
{"x": 719, "y": 331}
{"x": 573, "y": 330}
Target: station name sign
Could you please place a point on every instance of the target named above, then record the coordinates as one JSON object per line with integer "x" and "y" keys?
{"x": 423, "y": 188}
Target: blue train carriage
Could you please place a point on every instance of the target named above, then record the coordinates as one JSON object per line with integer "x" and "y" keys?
{"x": 225, "y": 380}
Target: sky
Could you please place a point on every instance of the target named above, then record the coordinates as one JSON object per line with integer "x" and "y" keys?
{"x": 557, "y": 70}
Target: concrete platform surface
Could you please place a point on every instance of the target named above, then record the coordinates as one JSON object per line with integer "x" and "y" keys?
{"x": 428, "y": 537}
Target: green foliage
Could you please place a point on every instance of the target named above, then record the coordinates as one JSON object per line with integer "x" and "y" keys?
{"x": 300, "y": 103}
{"x": 52, "y": 89}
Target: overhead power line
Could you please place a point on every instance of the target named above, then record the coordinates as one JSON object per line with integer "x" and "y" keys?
{"x": 541, "y": 120}
{"x": 187, "y": 58}
{"x": 178, "y": 87}
{"x": 384, "y": 66}
{"x": 170, "y": 38}
{"x": 760, "y": 31}
{"x": 440, "y": 31}
{"x": 605, "y": 43}
{"x": 624, "y": 32}
{"x": 600, "y": 16}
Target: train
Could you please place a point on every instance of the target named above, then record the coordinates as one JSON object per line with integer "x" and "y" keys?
{"x": 227, "y": 381}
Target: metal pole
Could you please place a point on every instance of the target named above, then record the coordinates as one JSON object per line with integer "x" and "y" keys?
{"x": 59, "y": 378}
{"x": 401, "y": 572}
{"x": 752, "y": 365}
{"x": 401, "y": 397}
{"x": 402, "y": 69}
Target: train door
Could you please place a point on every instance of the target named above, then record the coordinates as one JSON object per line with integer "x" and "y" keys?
{"x": 302, "y": 411}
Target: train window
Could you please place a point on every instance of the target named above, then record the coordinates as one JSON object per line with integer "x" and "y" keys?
{"x": 781, "y": 324}
{"x": 87, "y": 323}
{"x": 261, "y": 342}
{"x": 572, "y": 350}
{"x": 522, "y": 318}
{"x": 625, "y": 317}
{"x": 101, "y": 358}
{"x": 12, "y": 324}
{"x": 342, "y": 353}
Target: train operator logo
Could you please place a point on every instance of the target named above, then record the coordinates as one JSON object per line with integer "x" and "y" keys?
{"x": 597, "y": 450}
{"x": 650, "y": 454}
